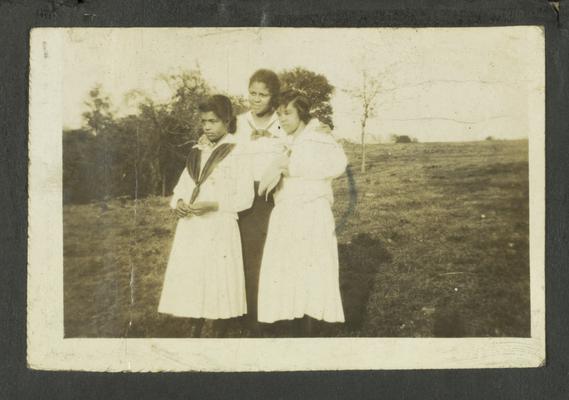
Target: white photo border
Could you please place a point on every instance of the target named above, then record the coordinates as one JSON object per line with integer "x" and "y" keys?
{"x": 49, "y": 350}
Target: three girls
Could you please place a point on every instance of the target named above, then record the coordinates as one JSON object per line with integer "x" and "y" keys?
{"x": 224, "y": 244}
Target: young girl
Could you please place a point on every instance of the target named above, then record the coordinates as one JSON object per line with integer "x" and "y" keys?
{"x": 204, "y": 277}
{"x": 262, "y": 138}
{"x": 299, "y": 271}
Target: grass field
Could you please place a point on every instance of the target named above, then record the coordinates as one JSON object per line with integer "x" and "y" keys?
{"x": 433, "y": 241}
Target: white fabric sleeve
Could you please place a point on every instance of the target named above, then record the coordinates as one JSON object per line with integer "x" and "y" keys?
{"x": 242, "y": 131}
{"x": 183, "y": 189}
{"x": 318, "y": 158}
{"x": 238, "y": 192}
{"x": 267, "y": 151}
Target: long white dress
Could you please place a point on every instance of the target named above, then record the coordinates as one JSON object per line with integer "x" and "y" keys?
{"x": 204, "y": 277}
{"x": 300, "y": 272}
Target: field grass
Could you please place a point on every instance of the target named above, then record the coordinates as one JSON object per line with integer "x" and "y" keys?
{"x": 433, "y": 241}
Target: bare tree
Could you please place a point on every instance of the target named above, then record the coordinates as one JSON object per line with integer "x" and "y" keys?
{"x": 370, "y": 90}
{"x": 367, "y": 94}
{"x": 376, "y": 89}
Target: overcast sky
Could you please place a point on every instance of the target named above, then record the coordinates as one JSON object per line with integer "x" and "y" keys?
{"x": 439, "y": 84}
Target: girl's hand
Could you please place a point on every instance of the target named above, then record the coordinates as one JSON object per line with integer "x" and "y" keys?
{"x": 284, "y": 164}
{"x": 203, "y": 207}
{"x": 182, "y": 210}
{"x": 272, "y": 175}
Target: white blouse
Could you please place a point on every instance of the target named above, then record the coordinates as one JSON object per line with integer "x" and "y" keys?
{"x": 261, "y": 151}
{"x": 230, "y": 184}
{"x": 316, "y": 158}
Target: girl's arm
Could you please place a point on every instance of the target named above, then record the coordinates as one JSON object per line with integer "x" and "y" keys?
{"x": 320, "y": 157}
{"x": 183, "y": 189}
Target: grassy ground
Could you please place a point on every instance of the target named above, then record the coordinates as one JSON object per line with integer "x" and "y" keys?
{"x": 433, "y": 241}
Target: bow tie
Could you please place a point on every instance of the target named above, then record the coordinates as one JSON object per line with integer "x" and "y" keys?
{"x": 259, "y": 133}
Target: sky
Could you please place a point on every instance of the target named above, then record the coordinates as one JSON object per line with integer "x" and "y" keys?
{"x": 437, "y": 84}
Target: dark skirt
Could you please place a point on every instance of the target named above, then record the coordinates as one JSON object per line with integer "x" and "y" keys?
{"x": 253, "y": 225}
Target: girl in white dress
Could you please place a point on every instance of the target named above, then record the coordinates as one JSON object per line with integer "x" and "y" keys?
{"x": 204, "y": 277}
{"x": 299, "y": 270}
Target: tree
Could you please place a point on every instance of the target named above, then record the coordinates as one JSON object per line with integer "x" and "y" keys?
{"x": 315, "y": 86}
{"x": 375, "y": 90}
{"x": 169, "y": 129}
{"x": 139, "y": 154}
{"x": 99, "y": 115}
{"x": 78, "y": 166}
{"x": 99, "y": 119}
{"x": 189, "y": 90}
{"x": 403, "y": 139}
{"x": 240, "y": 104}
{"x": 367, "y": 94}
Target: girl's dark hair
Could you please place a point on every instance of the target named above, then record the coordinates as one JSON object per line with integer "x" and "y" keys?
{"x": 221, "y": 106}
{"x": 271, "y": 81}
{"x": 298, "y": 101}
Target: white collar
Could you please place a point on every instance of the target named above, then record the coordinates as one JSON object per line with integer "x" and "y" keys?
{"x": 228, "y": 138}
{"x": 271, "y": 121}
{"x": 306, "y": 131}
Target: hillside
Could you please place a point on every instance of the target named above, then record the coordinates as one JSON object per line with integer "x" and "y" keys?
{"x": 433, "y": 241}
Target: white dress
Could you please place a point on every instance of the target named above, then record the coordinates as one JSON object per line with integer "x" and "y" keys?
{"x": 261, "y": 151}
{"x": 204, "y": 277}
{"x": 300, "y": 272}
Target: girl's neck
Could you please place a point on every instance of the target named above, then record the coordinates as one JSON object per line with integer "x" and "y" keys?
{"x": 298, "y": 130}
{"x": 262, "y": 119}
{"x": 218, "y": 140}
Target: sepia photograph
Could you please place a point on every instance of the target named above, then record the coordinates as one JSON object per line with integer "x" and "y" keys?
{"x": 295, "y": 188}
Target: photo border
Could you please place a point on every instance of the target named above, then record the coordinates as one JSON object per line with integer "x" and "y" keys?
{"x": 48, "y": 349}
{"x": 547, "y": 382}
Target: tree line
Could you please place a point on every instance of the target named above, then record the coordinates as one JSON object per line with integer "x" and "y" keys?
{"x": 143, "y": 153}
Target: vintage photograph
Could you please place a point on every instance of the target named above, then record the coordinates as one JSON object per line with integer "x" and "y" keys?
{"x": 276, "y": 183}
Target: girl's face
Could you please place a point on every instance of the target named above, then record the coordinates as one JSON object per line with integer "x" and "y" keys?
{"x": 213, "y": 127}
{"x": 259, "y": 97}
{"x": 288, "y": 118}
